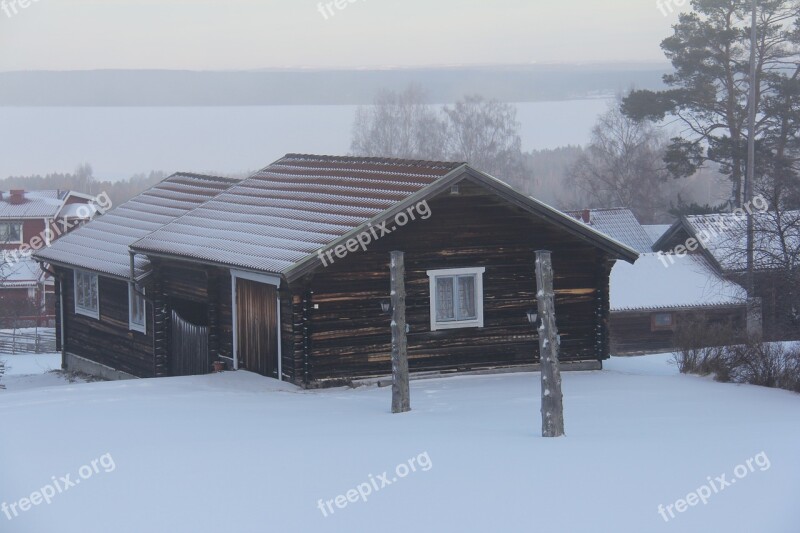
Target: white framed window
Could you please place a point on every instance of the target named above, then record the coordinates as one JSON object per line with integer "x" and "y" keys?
{"x": 137, "y": 309}
{"x": 87, "y": 294}
{"x": 11, "y": 232}
{"x": 456, "y": 298}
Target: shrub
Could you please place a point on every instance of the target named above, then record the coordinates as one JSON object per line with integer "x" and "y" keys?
{"x": 708, "y": 349}
{"x": 700, "y": 348}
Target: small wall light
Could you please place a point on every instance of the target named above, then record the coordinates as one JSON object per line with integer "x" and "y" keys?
{"x": 386, "y": 307}
{"x": 533, "y": 316}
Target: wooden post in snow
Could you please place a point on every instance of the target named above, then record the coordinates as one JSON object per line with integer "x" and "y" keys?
{"x": 400, "y": 394}
{"x": 552, "y": 400}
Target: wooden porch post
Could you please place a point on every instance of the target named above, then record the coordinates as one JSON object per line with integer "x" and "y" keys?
{"x": 400, "y": 390}
{"x": 552, "y": 400}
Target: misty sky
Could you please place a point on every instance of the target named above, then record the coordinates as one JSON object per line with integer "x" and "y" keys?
{"x": 248, "y": 34}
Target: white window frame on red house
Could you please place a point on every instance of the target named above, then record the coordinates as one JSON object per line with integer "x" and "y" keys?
{"x": 5, "y": 227}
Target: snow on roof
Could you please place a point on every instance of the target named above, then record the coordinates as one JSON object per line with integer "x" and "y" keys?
{"x": 80, "y": 211}
{"x": 655, "y": 231}
{"x": 687, "y": 282}
{"x": 19, "y": 274}
{"x": 278, "y": 219}
{"x": 102, "y": 244}
{"x": 618, "y": 223}
{"x": 725, "y": 237}
{"x": 287, "y": 211}
{"x": 36, "y": 204}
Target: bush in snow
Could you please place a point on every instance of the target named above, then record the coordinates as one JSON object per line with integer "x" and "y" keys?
{"x": 708, "y": 349}
{"x": 766, "y": 364}
{"x": 701, "y": 347}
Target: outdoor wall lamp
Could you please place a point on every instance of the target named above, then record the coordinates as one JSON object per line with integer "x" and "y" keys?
{"x": 386, "y": 307}
{"x": 533, "y": 316}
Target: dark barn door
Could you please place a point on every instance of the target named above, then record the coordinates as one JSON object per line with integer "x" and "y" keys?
{"x": 189, "y": 355}
{"x": 257, "y": 328}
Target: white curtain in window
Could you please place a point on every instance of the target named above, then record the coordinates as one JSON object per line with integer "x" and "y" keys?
{"x": 466, "y": 297}
{"x": 444, "y": 299}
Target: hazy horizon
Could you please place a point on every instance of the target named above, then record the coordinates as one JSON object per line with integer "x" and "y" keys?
{"x": 305, "y": 34}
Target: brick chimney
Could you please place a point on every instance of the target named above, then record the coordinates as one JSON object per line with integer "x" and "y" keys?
{"x": 16, "y": 196}
{"x": 586, "y": 216}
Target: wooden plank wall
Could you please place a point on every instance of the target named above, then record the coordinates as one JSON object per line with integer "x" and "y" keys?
{"x": 349, "y": 337}
{"x": 108, "y": 340}
{"x": 632, "y": 334}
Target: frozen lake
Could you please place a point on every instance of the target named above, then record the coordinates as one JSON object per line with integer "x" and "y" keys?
{"x": 121, "y": 141}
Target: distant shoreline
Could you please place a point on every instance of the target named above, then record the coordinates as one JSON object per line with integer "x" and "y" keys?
{"x": 173, "y": 88}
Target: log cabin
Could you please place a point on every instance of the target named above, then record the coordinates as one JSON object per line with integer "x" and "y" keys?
{"x": 651, "y": 299}
{"x": 720, "y": 239}
{"x": 286, "y": 273}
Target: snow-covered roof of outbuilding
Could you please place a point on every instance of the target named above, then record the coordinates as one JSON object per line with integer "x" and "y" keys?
{"x": 102, "y": 244}
{"x": 724, "y": 238}
{"x": 655, "y": 231}
{"x": 21, "y": 273}
{"x": 659, "y": 281}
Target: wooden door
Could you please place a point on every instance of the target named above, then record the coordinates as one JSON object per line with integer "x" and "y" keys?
{"x": 257, "y": 327}
{"x": 189, "y": 355}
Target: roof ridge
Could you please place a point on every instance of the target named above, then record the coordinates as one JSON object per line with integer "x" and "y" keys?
{"x": 371, "y": 159}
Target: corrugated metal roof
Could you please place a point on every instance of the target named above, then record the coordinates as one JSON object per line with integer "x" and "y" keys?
{"x": 102, "y": 245}
{"x": 291, "y": 209}
{"x": 724, "y": 236}
{"x": 37, "y": 204}
{"x": 656, "y": 231}
{"x": 618, "y": 223}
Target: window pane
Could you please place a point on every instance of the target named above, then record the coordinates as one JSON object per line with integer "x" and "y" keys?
{"x": 93, "y": 292}
{"x": 663, "y": 320}
{"x": 79, "y": 290}
{"x": 445, "y": 308}
{"x": 466, "y": 298}
{"x": 10, "y": 232}
{"x": 137, "y": 308}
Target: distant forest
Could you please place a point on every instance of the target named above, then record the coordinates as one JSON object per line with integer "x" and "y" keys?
{"x": 82, "y": 180}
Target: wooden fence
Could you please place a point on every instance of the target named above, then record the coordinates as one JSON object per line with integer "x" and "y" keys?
{"x": 41, "y": 340}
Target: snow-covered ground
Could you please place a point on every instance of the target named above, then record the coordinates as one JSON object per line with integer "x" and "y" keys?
{"x": 240, "y": 453}
{"x": 29, "y": 371}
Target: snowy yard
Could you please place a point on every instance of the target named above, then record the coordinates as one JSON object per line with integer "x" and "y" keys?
{"x": 240, "y": 453}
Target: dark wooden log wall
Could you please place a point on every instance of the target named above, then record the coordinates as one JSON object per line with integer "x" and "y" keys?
{"x": 349, "y": 337}
{"x": 108, "y": 340}
{"x": 632, "y": 334}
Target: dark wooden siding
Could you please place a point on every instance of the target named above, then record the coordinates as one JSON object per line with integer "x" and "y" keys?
{"x": 108, "y": 340}
{"x": 632, "y": 332}
{"x": 349, "y": 337}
